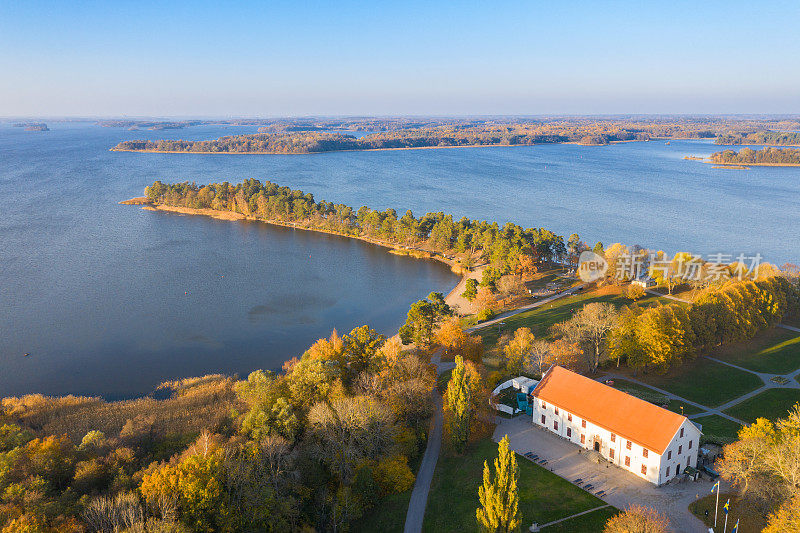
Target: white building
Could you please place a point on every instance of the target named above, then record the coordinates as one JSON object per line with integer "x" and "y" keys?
{"x": 652, "y": 442}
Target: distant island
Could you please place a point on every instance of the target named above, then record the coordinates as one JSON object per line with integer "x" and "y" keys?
{"x": 777, "y": 157}
{"x": 776, "y": 138}
{"x": 32, "y": 126}
{"x": 307, "y": 136}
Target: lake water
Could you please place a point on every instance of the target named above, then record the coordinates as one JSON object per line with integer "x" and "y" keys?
{"x": 111, "y": 299}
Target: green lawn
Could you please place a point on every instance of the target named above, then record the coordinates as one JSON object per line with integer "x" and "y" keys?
{"x": 705, "y": 382}
{"x": 776, "y": 351}
{"x": 718, "y": 429}
{"x": 388, "y": 516}
{"x": 541, "y": 319}
{"x": 751, "y": 518}
{"x": 594, "y": 521}
{"x": 772, "y": 404}
{"x": 640, "y": 391}
{"x": 544, "y": 496}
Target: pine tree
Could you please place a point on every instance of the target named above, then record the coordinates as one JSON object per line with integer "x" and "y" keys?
{"x": 499, "y": 511}
{"x": 459, "y": 404}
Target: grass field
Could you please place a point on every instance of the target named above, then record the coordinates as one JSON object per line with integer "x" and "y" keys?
{"x": 544, "y": 496}
{"x": 593, "y": 521}
{"x": 718, "y": 429}
{"x": 705, "y": 382}
{"x": 772, "y": 404}
{"x": 541, "y": 319}
{"x": 776, "y": 351}
{"x": 750, "y": 519}
{"x": 640, "y": 391}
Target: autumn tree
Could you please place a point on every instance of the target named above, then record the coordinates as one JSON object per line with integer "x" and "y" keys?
{"x": 637, "y": 519}
{"x": 349, "y": 430}
{"x": 564, "y": 353}
{"x": 510, "y": 285}
{"x": 196, "y": 481}
{"x": 634, "y": 291}
{"x": 499, "y": 494}
{"x": 786, "y": 518}
{"x": 517, "y": 352}
{"x": 459, "y": 403}
{"x": 764, "y": 463}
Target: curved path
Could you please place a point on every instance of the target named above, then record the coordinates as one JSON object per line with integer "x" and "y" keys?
{"x": 422, "y": 485}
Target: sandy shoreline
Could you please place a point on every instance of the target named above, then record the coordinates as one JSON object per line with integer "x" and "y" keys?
{"x": 417, "y": 253}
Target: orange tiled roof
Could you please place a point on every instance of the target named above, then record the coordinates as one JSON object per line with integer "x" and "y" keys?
{"x": 629, "y": 417}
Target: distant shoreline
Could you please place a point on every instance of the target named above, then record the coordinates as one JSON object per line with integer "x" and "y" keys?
{"x": 260, "y": 152}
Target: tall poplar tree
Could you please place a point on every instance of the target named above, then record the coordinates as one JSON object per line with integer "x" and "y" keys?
{"x": 459, "y": 403}
{"x": 499, "y": 497}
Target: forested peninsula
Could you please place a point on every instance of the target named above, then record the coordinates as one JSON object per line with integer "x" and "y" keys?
{"x": 434, "y": 234}
{"x": 765, "y": 157}
{"x": 304, "y": 137}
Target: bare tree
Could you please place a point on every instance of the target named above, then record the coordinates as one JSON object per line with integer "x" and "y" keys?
{"x": 590, "y": 326}
{"x": 112, "y": 515}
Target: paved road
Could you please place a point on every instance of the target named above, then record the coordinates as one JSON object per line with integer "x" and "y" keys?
{"x": 790, "y": 328}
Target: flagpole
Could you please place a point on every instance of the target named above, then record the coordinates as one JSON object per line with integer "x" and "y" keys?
{"x": 716, "y": 509}
{"x": 726, "y": 524}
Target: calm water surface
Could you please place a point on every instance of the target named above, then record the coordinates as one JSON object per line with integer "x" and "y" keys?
{"x": 112, "y": 299}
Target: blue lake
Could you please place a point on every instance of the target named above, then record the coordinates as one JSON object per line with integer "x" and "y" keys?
{"x": 112, "y": 299}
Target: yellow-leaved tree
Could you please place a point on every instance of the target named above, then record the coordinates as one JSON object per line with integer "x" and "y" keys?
{"x": 499, "y": 496}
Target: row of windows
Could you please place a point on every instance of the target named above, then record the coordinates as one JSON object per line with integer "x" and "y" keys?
{"x": 680, "y": 450}
{"x": 610, "y": 452}
{"x": 628, "y": 445}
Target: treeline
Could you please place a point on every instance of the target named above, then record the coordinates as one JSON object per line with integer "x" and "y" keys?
{"x": 313, "y": 136}
{"x": 666, "y": 335}
{"x": 312, "y": 449}
{"x": 761, "y": 137}
{"x": 504, "y": 247}
{"x": 765, "y": 156}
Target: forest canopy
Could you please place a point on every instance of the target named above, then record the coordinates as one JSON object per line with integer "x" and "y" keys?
{"x": 503, "y": 247}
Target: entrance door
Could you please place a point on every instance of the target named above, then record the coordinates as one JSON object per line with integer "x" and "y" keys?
{"x": 596, "y": 446}
{"x": 677, "y": 469}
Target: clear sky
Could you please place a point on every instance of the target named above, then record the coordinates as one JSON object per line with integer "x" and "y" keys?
{"x": 275, "y": 58}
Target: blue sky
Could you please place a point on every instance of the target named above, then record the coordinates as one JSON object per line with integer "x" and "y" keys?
{"x": 344, "y": 58}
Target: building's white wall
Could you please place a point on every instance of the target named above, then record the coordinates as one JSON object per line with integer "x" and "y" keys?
{"x": 654, "y": 463}
{"x": 687, "y": 456}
